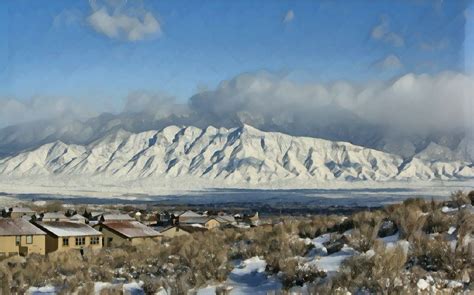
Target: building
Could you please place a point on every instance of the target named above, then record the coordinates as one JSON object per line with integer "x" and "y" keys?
{"x": 115, "y": 217}
{"x": 66, "y": 235}
{"x": 19, "y": 212}
{"x": 20, "y": 237}
{"x": 53, "y": 216}
{"x": 117, "y": 233}
{"x": 181, "y": 230}
{"x": 186, "y": 216}
{"x": 208, "y": 222}
{"x": 78, "y": 218}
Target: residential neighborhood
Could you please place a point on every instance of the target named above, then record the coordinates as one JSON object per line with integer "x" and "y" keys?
{"x": 24, "y": 230}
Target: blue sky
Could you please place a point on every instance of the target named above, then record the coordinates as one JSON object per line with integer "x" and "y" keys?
{"x": 53, "y": 48}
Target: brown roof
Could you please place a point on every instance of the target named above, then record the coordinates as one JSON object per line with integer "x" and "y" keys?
{"x": 130, "y": 229}
{"x": 18, "y": 227}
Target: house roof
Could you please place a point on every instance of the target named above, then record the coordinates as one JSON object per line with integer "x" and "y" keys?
{"x": 68, "y": 229}
{"x": 225, "y": 218}
{"x": 18, "y": 227}
{"x": 77, "y": 217}
{"x": 189, "y": 213}
{"x": 117, "y": 217}
{"x": 21, "y": 210}
{"x": 130, "y": 229}
{"x": 198, "y": 220}
{"x": 186, "y": 228}
{"x": 54, "y": 215}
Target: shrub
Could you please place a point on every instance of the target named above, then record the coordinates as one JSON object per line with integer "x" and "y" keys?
{"x": 366, "y": 228}
{"x": 460, "y": 198}
{"x": 377, "y": 273}
{"x": 294, "y": 273}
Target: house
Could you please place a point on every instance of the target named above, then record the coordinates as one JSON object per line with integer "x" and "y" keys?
{"x": 208, "y": 222}
{"x": 18, "y": 236}
{"x": 78, "y": 218}
{"x": 185, "y": 216}
{"x": 53, "y": 216}
{"x": 126, "y": 232}
{"x": 181, "y": 230}
{"x": 252, "y": 220}
{"x": 115, "y": 217}
{"x": 18, "y": 212}
{"x": 164, "y": 218}
{"x": 66, "y": 235}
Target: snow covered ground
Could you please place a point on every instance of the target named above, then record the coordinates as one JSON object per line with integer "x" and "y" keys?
{"x": 248, "y": 277}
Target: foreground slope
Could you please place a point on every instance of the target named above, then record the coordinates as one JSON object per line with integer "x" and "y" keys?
{"x": 224, "y": 157}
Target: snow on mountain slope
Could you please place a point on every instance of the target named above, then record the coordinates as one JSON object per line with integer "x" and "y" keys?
{"x": 237, "y": 155}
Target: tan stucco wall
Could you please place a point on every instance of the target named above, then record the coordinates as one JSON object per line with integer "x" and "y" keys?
{"x": 8, "y": 245}
{"x": 56, "y": 244}
{"x": 173, "y": 232}
{"x": 118, "y": 240}
{"x": 210, "y": 224}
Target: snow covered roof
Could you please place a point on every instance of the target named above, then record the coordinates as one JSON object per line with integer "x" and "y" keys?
{"x": 54, "y": 215}
{"x": 189, "y": 213}
{"x": 116, "y": 217}
{"x": 68, "y": 229}
{"x": 130, "y": 229}
{"x": 194, "y": 220}
{"x": 225, "y": 218}
{"x": 18, "y": 227}
{"x": 21, "y": 210}
{"x": 77, "y": 217}
{"x": 96, "y": 214}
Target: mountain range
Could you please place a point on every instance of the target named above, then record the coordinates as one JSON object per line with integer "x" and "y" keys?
{"x": 232, "y": 156}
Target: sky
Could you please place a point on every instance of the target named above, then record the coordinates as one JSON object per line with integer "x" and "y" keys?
{"x": 85, "y": 57}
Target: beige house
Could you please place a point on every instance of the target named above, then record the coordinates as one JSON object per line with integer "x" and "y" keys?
{"x": 66, "y": 235}
{"x": 18, "y": 236}
{"x": 53, "y": 216}
{"x": 19, "y": 212}
{"x": 117, "y": 233}
{"x": 78, "y": 218}
{"x": 187, "y": 216}
{"x": 181, "y": 230}
{"x": 205, "y": 221}
{"x": 115, "y": 217}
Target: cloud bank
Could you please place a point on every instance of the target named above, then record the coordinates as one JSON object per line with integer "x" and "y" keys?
{"x": 411, "y": 102}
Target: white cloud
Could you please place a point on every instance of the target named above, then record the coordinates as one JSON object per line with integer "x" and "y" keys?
{"x": 382, "y": 32}
{"x": 289, "y": 16}
{"x": 124, "y": 24}
{"x": 389, "y": 63}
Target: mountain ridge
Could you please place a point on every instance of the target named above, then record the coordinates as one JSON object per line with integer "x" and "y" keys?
{"x": 237, "y": 155}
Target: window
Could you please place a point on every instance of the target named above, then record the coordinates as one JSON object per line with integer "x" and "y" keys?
{"x": 18, "y": 240}
{"x": 94, "y": 240}
{"x": 109, "y": 241}
{"x": 66, "y": 242}
{"x": 80, "y": 241}
{"x": 29, "y": 239}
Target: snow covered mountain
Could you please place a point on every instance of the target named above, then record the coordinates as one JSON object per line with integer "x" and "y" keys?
{"x": 236, "y": 155}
